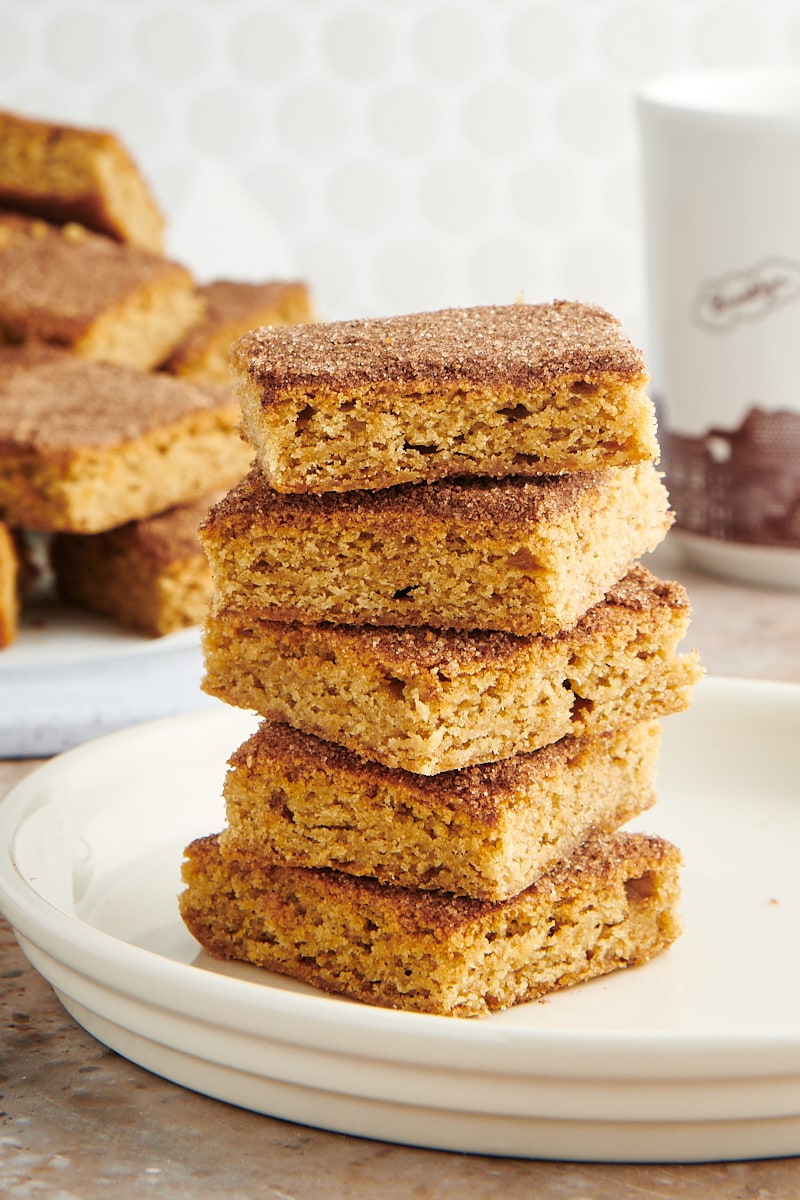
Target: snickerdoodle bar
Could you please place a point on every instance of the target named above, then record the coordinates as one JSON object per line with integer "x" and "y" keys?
{"x": 430, "y": 700}
{"x": 88, "y": 294}
{"x": 149, "y": 575}
{"x": 85, "y": 446}
{"x": 614, "y": 904}
{"x": 520, "y": 555}
{"x": 232, "y": 307}
{"x": 520, "y": 389}
{"x": 485, "y": 831}
{"x": 9, "y": 587}
{"x": 69, "y": 173}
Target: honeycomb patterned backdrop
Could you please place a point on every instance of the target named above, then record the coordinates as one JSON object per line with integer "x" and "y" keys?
{"x": 398, "y": 154}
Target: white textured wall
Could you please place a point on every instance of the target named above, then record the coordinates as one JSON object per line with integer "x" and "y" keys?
{"x": 407, "y": 153}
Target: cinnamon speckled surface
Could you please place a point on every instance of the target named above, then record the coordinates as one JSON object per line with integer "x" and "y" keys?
{"x": 55, "y": 283}
{"x": 524, "y": 345}
{"x": 77, "y": 1121}
{"x": 54, "y": 404}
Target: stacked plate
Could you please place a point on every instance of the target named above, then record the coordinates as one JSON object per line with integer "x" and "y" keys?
{"x": 695, "y": 1056}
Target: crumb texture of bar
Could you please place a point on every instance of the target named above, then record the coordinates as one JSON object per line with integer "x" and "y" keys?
{"x": 86, "y": 446}
{"x": 507, "y": 390}
{"x": 231, "y": 309}
{"x": 97, "y": 298}
{"x": 486, "y": 831}
{"x": 430, "y": 700}
{"x": 522, "y": 556}
{"x": 9, "y": 587}
{"x": 613, "y": 904}
{"x": 64, "y": 173}
{"x": 149, "y": 575}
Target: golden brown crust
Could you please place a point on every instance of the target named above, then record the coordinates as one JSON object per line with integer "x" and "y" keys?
{"x": 230, "y": 300}
{"x": 520, "y": 345}
{"x": 639, "y": 591}
{"x": 526, "y": 390}
{"x": 86, "y": 446}
{"x": 169, "y": 537}
{"x": 161, "y": 541}
{"x": 432, "y": 700}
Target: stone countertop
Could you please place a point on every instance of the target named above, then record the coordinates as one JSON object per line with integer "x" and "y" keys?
{"x": 78, "y": 1121}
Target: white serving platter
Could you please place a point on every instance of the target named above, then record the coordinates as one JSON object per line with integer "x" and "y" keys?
{"x": 695, "y": 1056}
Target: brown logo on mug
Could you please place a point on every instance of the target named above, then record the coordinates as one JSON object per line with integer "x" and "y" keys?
{"x": 746, "y": 295}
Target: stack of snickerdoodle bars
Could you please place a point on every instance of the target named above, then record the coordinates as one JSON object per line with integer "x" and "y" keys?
{"x": 118, "y": 426}
{"x": 428, "y": 587}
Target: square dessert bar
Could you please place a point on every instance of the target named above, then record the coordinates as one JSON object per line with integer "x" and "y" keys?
{"x": 430, "y": 700}
{"x": 524, "y": 556}
{"x": 91, "y": 295}
{"x": 485, "y": 831}
{"x": 516, "y": 390}
{"x": 149, "y": 575}
{"x": 231, "y": 309}
{"x": 64, "y": 173}
{"x": 9, "y": 587}
{"x": 85, "y": 446}
{"x": 612, "y": 905}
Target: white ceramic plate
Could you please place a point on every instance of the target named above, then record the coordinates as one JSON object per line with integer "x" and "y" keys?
{"x": 71, "y": 676}
{"x": 769, "y": 566}
{"x": 53, "y": 634}
{"x": 694, "y": 1056}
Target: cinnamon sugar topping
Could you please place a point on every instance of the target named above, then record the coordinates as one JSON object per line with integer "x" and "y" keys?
{"x": 521, "y": 345}
{"x": 51, "y": 402}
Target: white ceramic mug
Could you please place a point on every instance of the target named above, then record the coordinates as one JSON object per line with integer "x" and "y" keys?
{"x": 721, "y": 185}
